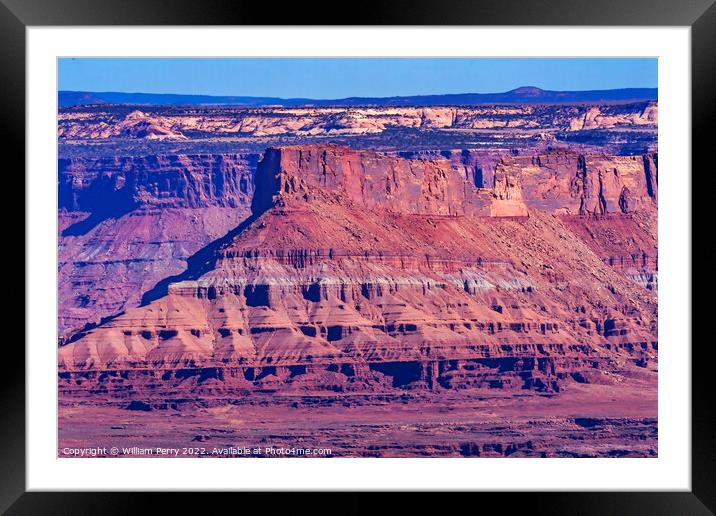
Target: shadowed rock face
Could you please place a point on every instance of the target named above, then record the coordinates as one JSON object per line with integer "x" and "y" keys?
{"x": 127, "y": 183}
{"x": 125, "y": 223}
{"x": 361, "y": 271}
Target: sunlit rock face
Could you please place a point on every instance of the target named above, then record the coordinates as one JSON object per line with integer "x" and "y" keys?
{"x": 105, "y": 122}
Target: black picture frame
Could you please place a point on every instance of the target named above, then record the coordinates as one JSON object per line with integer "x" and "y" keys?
{"x": 700, "y": 15}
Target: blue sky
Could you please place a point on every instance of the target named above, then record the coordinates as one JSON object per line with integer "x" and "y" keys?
{"x": 321, "y": 78}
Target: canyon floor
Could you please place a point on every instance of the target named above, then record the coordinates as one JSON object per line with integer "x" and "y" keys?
{"x": 587, "y": 420}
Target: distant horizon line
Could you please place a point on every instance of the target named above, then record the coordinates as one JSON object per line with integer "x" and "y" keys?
{"x": 218, "y": 95}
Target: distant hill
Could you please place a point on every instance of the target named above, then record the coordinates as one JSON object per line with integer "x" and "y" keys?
{"x": 523, "y": 95}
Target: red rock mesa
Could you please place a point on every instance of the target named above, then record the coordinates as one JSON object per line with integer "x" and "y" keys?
{"x": 359, "y": 271}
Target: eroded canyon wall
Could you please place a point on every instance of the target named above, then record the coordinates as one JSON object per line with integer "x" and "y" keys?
{"x": 560, "y": 182}
{"x": 360, "y": 271}
{"x": 125, "y": 223}
{"x": 101, "y": 122}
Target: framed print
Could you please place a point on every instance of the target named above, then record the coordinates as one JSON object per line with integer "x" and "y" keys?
{"x": 430, "y": 251}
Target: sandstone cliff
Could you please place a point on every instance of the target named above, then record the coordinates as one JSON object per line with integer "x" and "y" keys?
{"x": 174, "y": 123}
{"x": 570, "y": 183}
{"x": 597, "y": 117}
{"x": 560, "y": 182}
{"x": 371, "y": 180}
{"x": 475, "y": 165}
